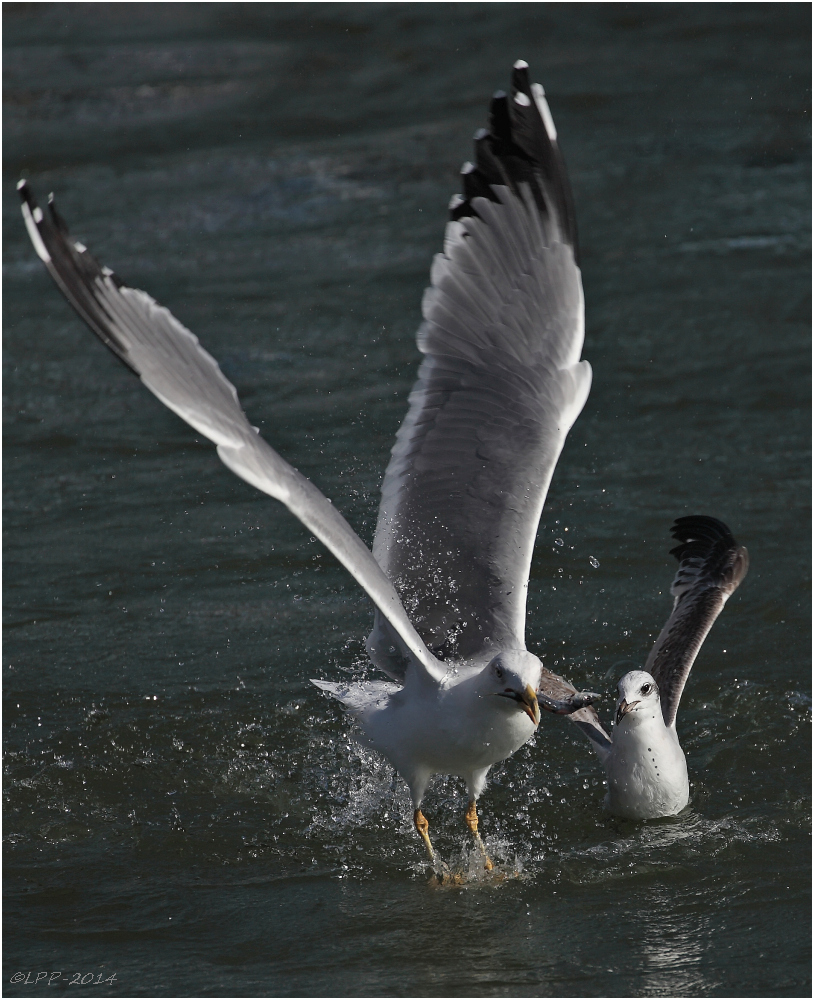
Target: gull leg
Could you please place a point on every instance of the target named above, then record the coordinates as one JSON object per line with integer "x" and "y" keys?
{"x": 471, "y": 818}
{"x": 443, "y": 876}
{"x": 423, "y": 828}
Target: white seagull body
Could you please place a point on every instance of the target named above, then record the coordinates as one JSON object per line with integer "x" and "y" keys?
{"x": 645, "y": 765}
{"x": 499, "y": 388}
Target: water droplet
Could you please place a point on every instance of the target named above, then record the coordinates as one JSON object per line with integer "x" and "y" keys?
{"x": 559, "y": 541}
{"x": 594, "y": 562}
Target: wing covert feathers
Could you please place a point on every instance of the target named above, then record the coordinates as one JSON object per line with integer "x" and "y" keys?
{"x": 711, "y": 565}
{"x": 500, "y": 385}
{"x": 171, "y": 363}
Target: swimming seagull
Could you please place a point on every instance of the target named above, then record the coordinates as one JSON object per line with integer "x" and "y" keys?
{"x": 644, "y": 763}
{"x": 500, "y": 385}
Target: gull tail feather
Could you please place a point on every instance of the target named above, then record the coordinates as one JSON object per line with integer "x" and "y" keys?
{"x": 361, "y": 696}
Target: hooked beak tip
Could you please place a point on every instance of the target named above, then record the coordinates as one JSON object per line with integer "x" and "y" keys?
{"x": 530, "y": 704}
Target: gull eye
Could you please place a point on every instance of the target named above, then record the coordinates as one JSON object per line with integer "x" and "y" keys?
{"x": 498, "y": 672}
{"x": 647, "y": 688}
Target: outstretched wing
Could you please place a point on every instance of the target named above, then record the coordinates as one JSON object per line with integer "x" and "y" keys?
{"x": 500, "y": 385}
{"x": 172, "y": 364}
{"x": 711, "y": 564}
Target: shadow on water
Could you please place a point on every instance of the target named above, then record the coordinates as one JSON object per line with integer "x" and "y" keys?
{"x": 183, "y": 809}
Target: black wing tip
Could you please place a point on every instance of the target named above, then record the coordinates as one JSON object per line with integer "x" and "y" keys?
{"x": 517, "y": 149}
{"x": 26, "y": 194}
{"x": 708, "y": 540}
{"x": 28, "y": 199}
{"x": 699, "y": 532}
{"x": 521, "y": 81}
{"x": 61, "y": 224}
{"x": 74, "y": 269}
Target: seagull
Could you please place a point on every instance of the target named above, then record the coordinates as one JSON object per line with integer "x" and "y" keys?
{"x": 645, "y": 765}
{"x": 500, "y": 385}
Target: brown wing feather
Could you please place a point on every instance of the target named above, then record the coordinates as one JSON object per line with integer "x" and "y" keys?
{"x": 711, "y": 566}
{"x": 555, "y": 691}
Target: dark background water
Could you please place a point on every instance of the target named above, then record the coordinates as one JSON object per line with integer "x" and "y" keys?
{"x": 182, "y": 808}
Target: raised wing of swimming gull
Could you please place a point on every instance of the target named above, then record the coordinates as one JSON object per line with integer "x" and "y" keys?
{"x": 644, "y": 762}
{"x": 500, "y": 385}
{"x": 499, "y": 388}
{"x": 711, "y": 565}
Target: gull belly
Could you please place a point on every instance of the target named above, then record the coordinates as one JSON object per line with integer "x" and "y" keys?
{"x": 460, "y": 731}
{"x": 646, "y": 770}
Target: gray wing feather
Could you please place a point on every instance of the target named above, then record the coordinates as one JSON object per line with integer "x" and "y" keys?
{"x": 711, "y": 566}
{"x": 498, "y": 390}
{"x": 587, "y": 720}
{"x": 171, "y": 363}
{"x": 554, "y": 688}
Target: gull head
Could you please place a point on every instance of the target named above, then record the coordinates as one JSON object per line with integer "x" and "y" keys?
{"x": 638, "y": 697}
{"x": 514, "y": 675}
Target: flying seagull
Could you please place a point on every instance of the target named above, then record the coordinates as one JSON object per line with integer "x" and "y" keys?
{"x": 644, "y": 762}
{"x": 499, "y": 388}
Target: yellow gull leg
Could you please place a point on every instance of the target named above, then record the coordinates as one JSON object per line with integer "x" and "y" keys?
{"x": 471, "y": 818}
{"x": 423, "y": 828}
{"x": 442, "y": 876}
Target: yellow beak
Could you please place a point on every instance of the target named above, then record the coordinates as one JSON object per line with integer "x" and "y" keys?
{"x": 530, "y": 705}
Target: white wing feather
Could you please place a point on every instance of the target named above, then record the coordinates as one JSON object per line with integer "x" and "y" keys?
{"x": 171, "y": 363}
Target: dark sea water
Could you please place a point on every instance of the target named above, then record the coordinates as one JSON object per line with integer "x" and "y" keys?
{"x": 183, "y": 809}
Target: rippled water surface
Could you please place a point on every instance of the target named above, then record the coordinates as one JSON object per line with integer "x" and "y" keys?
{"x": 182, "y": 808}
